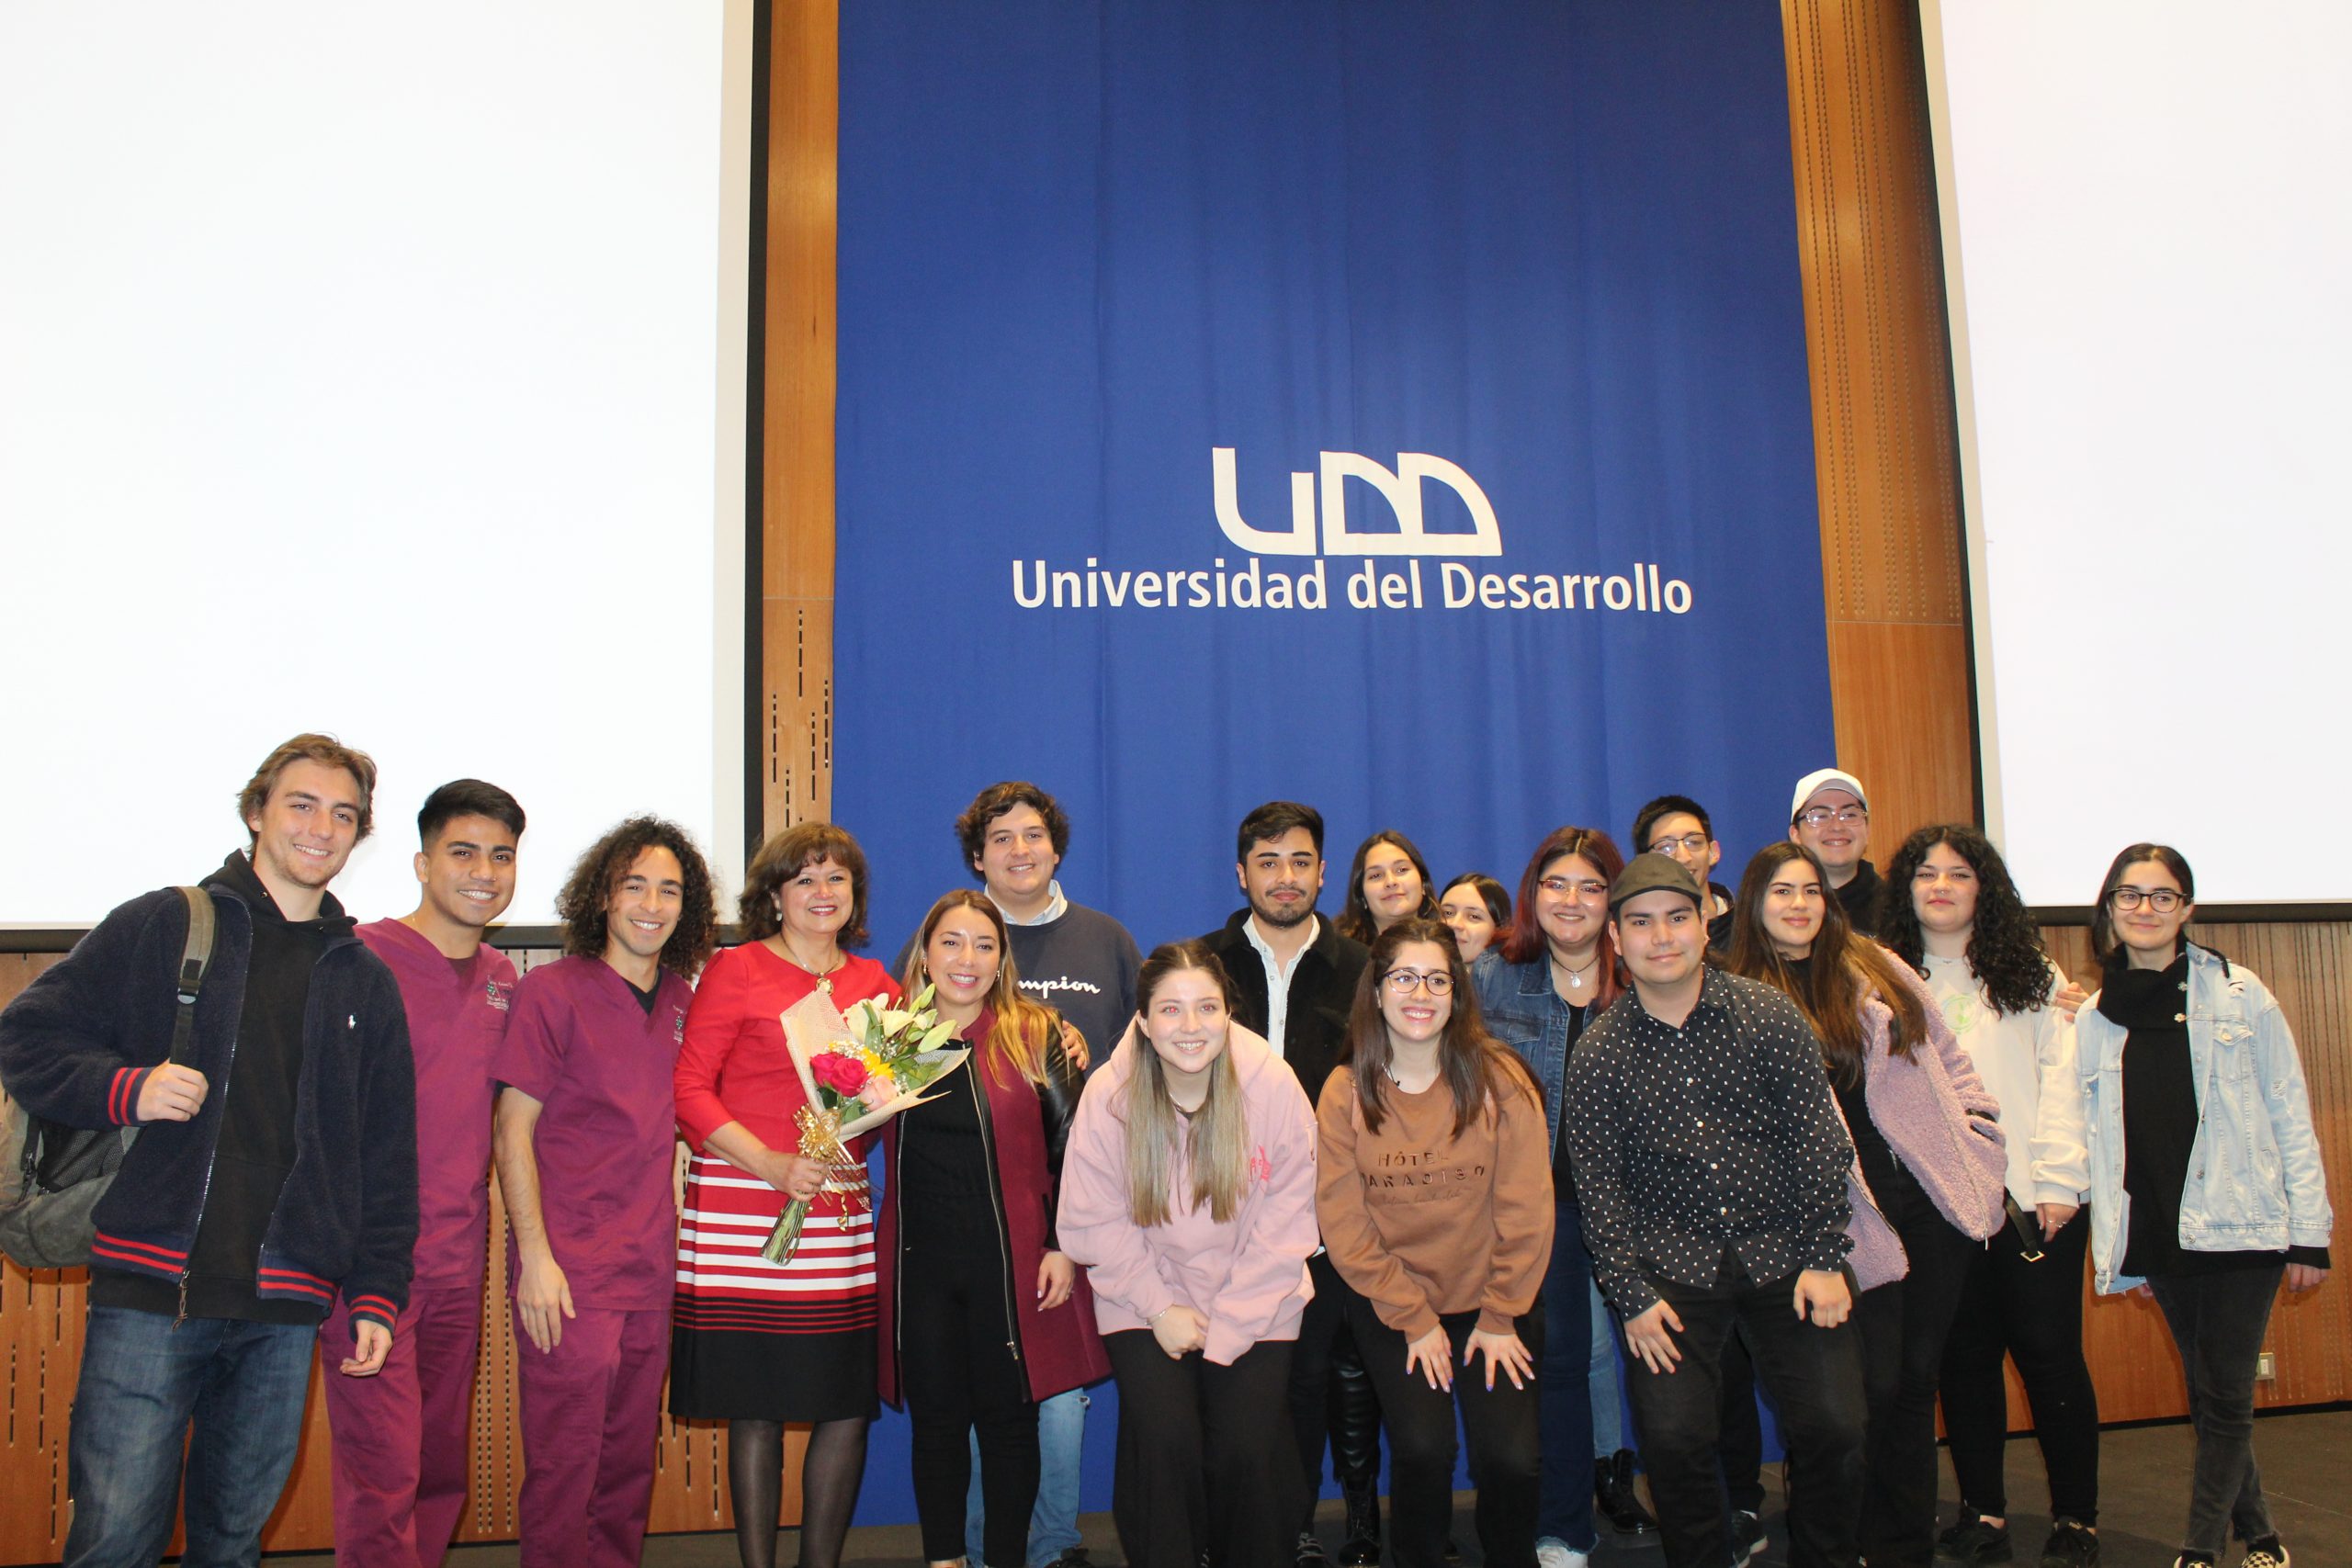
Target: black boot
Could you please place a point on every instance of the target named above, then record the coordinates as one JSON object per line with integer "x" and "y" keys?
{"x": 1361, "y": 1547}
{"x": 1613, "y": 1490}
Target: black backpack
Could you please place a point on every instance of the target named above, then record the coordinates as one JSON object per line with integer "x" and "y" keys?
{"x": 53, "y": 1175}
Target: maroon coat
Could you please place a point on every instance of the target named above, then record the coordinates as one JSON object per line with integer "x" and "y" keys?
{"x": 1059, "y": 1349}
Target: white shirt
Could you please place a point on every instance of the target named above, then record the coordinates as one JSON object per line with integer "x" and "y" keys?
{"x": 1278, "y": 975}
{"x": 1056, "y": 907}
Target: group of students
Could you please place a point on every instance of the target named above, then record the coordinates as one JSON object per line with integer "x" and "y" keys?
{"x": 1847, "y": 1137}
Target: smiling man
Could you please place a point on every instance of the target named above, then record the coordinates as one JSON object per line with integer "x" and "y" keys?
{"x": 585, "y": 1122}
{"x": 253, "y": 1199}
{"x": 1711, "y": 1165}
{"x": 399, "y": 1439}
{"x": 1831, "y": 817}
{"x": 1293, "y": 980}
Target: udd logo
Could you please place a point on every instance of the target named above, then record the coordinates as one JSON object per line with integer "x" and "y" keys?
{"x": 1401, "y": 488}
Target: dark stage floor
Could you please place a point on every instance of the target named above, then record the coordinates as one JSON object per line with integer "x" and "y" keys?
{"x": 2306, "y": 1470}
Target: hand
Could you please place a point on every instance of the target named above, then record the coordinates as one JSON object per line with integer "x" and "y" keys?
{"x": 1822, "y": 1294}
{"x": 543, "y": 1299}
{"x": 2304, "y": 1276}
{"x": 1057, "y": 1277}
{"x": 2055, "y": 1217}
{"x": 171, "y": 1093}
{"x": 1433, "y": 1353}
{"x": 2068, "y": 999}
{"x": 370, "y": 1343}
{"x": 1181, "y": 1331}
{"x": 1649, "y": 1335}
{"x": 1074, "y": 1047}
{"x": 1504, "y": 1351}
{"x": 792, "y": 1175}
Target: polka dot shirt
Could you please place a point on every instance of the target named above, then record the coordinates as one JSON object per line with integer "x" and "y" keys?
{"x": 1719, "y": 1135}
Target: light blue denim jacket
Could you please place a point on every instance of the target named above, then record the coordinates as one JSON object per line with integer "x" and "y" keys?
{"x": 1525, "y": 1013}
{"x": 2255, "y": 1182}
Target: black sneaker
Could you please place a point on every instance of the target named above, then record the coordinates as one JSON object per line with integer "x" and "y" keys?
{"x": 1748, "y": 1538}
{"x": 1973, "y": 1540}
{"x": 2072, "y": 1544}
{"x": 1310, "y": 1553}
{"x": 1614, "y": 1494}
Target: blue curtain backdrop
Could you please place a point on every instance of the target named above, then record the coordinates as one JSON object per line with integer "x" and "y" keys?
{"x": 1511, "y": 290}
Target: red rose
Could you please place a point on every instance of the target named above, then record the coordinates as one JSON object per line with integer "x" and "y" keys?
{"x": 844, "y": 1075}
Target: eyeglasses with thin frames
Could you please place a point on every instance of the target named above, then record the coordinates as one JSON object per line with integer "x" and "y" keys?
{"x": 1404, "y": 982}
{"x": 1822, "y": 816}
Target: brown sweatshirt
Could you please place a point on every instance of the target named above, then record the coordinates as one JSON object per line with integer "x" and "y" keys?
{"x": 1424, "y": 1224}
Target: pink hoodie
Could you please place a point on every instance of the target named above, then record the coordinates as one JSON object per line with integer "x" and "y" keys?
{"x": 1247, "y": 1276}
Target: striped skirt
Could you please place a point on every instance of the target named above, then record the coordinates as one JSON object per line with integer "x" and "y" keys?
{"x": 755, "y": 1340}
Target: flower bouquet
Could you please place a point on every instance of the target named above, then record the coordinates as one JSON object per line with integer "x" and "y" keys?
{"x": 858, "y": 1070}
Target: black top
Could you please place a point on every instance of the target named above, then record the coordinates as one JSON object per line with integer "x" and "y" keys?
{"x": 944, "y": 1164}
{"x": 1859, "y": 898}
{"x": 1322, "y": 992}
{"x": 2160, "y": 1122}
{"x": 257, "y": 1149}
{"x": 1564, "y": 1177}
{"x": 1718, "y": 1136}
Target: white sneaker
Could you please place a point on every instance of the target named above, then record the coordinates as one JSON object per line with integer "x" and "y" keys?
{"x": 1551, "y": 1552}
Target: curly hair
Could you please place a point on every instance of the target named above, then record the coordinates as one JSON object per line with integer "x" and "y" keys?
{"x": 2005, "y": 948}
{"x": 972, "y": 827}
{"x": 785, "y": 855}
{"x": 596, "y": 875}
{"x": 1355, "y": 915}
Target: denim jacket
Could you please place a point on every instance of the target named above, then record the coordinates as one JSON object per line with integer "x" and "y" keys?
{"x": 1525, "y": 1013}
{"x": 2254, "y": 1181}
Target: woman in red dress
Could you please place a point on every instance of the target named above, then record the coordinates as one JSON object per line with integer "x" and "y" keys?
{"x": 757, "y": 1343}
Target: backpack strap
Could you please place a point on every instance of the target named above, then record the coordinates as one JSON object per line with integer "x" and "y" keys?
{"x": 195, "y": 958}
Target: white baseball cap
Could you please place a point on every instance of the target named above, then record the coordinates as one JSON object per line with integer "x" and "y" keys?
{"x": 1813, "y": 784}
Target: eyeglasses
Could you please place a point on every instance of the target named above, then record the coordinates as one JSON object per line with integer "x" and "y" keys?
{"x": 1822, "y": 816}
{"x": 2163, "y": 900}
{"x": 1690, "y": 843}
{"x": 1561, "y": 887}
{"x": 1404, "y": 982}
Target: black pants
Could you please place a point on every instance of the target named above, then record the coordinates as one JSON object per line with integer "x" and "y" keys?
{"x": 1815, "y": 1377}
{"x": 1742, "y": 1443}
{"x": 1504, "y": 1440}
{"x": 1206, "y": 1466}
{"x": 2217, "y": 1321}
{"x": 1331, "y": 1394}
{"x": 2032, "y": 1313}
{"x": 960, "y": 1376}
{"x": 1904, "y": 1324}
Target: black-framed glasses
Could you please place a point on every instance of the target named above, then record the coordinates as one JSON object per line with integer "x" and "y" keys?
{"x": 1585, "y": 887}
{"x": 1404, "y": 982}
{"x": 1690, "y": 843}
{"x": 1822, "y": 816}
{"x": 2163, "y": 900}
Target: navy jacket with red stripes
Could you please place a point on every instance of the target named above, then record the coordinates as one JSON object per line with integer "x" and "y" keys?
{"x": 78, "y": 1044}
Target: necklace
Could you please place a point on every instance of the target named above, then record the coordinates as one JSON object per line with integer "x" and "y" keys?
{"x": 822, "y": 977}
{"x": 1576, "y": 976}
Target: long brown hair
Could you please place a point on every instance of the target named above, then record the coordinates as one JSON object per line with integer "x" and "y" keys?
{"x": 1523, "y": 942}
{"x": 1216, "y": 1137}
{"x": 1477, "y": 1067}
{"x": 1021, "y": 1031}
{"x": 1848, "y": 969}
{"x": 1355, "y": 912}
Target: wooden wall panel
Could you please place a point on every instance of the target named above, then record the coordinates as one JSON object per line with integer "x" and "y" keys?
{"x": 1893, "y": 574}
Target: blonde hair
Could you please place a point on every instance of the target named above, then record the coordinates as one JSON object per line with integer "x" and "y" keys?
{"x": 1021, "y": 1033}
{"x": 1213, "y": 1138}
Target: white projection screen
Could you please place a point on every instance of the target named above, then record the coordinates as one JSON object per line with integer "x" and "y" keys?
{"x": 2147, "y": 234}
{"x": 379, "y": 371}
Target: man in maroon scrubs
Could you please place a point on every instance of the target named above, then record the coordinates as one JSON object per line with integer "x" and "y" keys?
{"x": 584, "y": 1129}
{"x": 399, "y": 1438}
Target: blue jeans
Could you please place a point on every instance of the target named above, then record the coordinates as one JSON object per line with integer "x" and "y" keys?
{"x": 145, "y": 1383}
{"x": 1606, "y": 1393}
{"x": 1053, "y": 1524}
{"x": 1564, "y": 1510}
